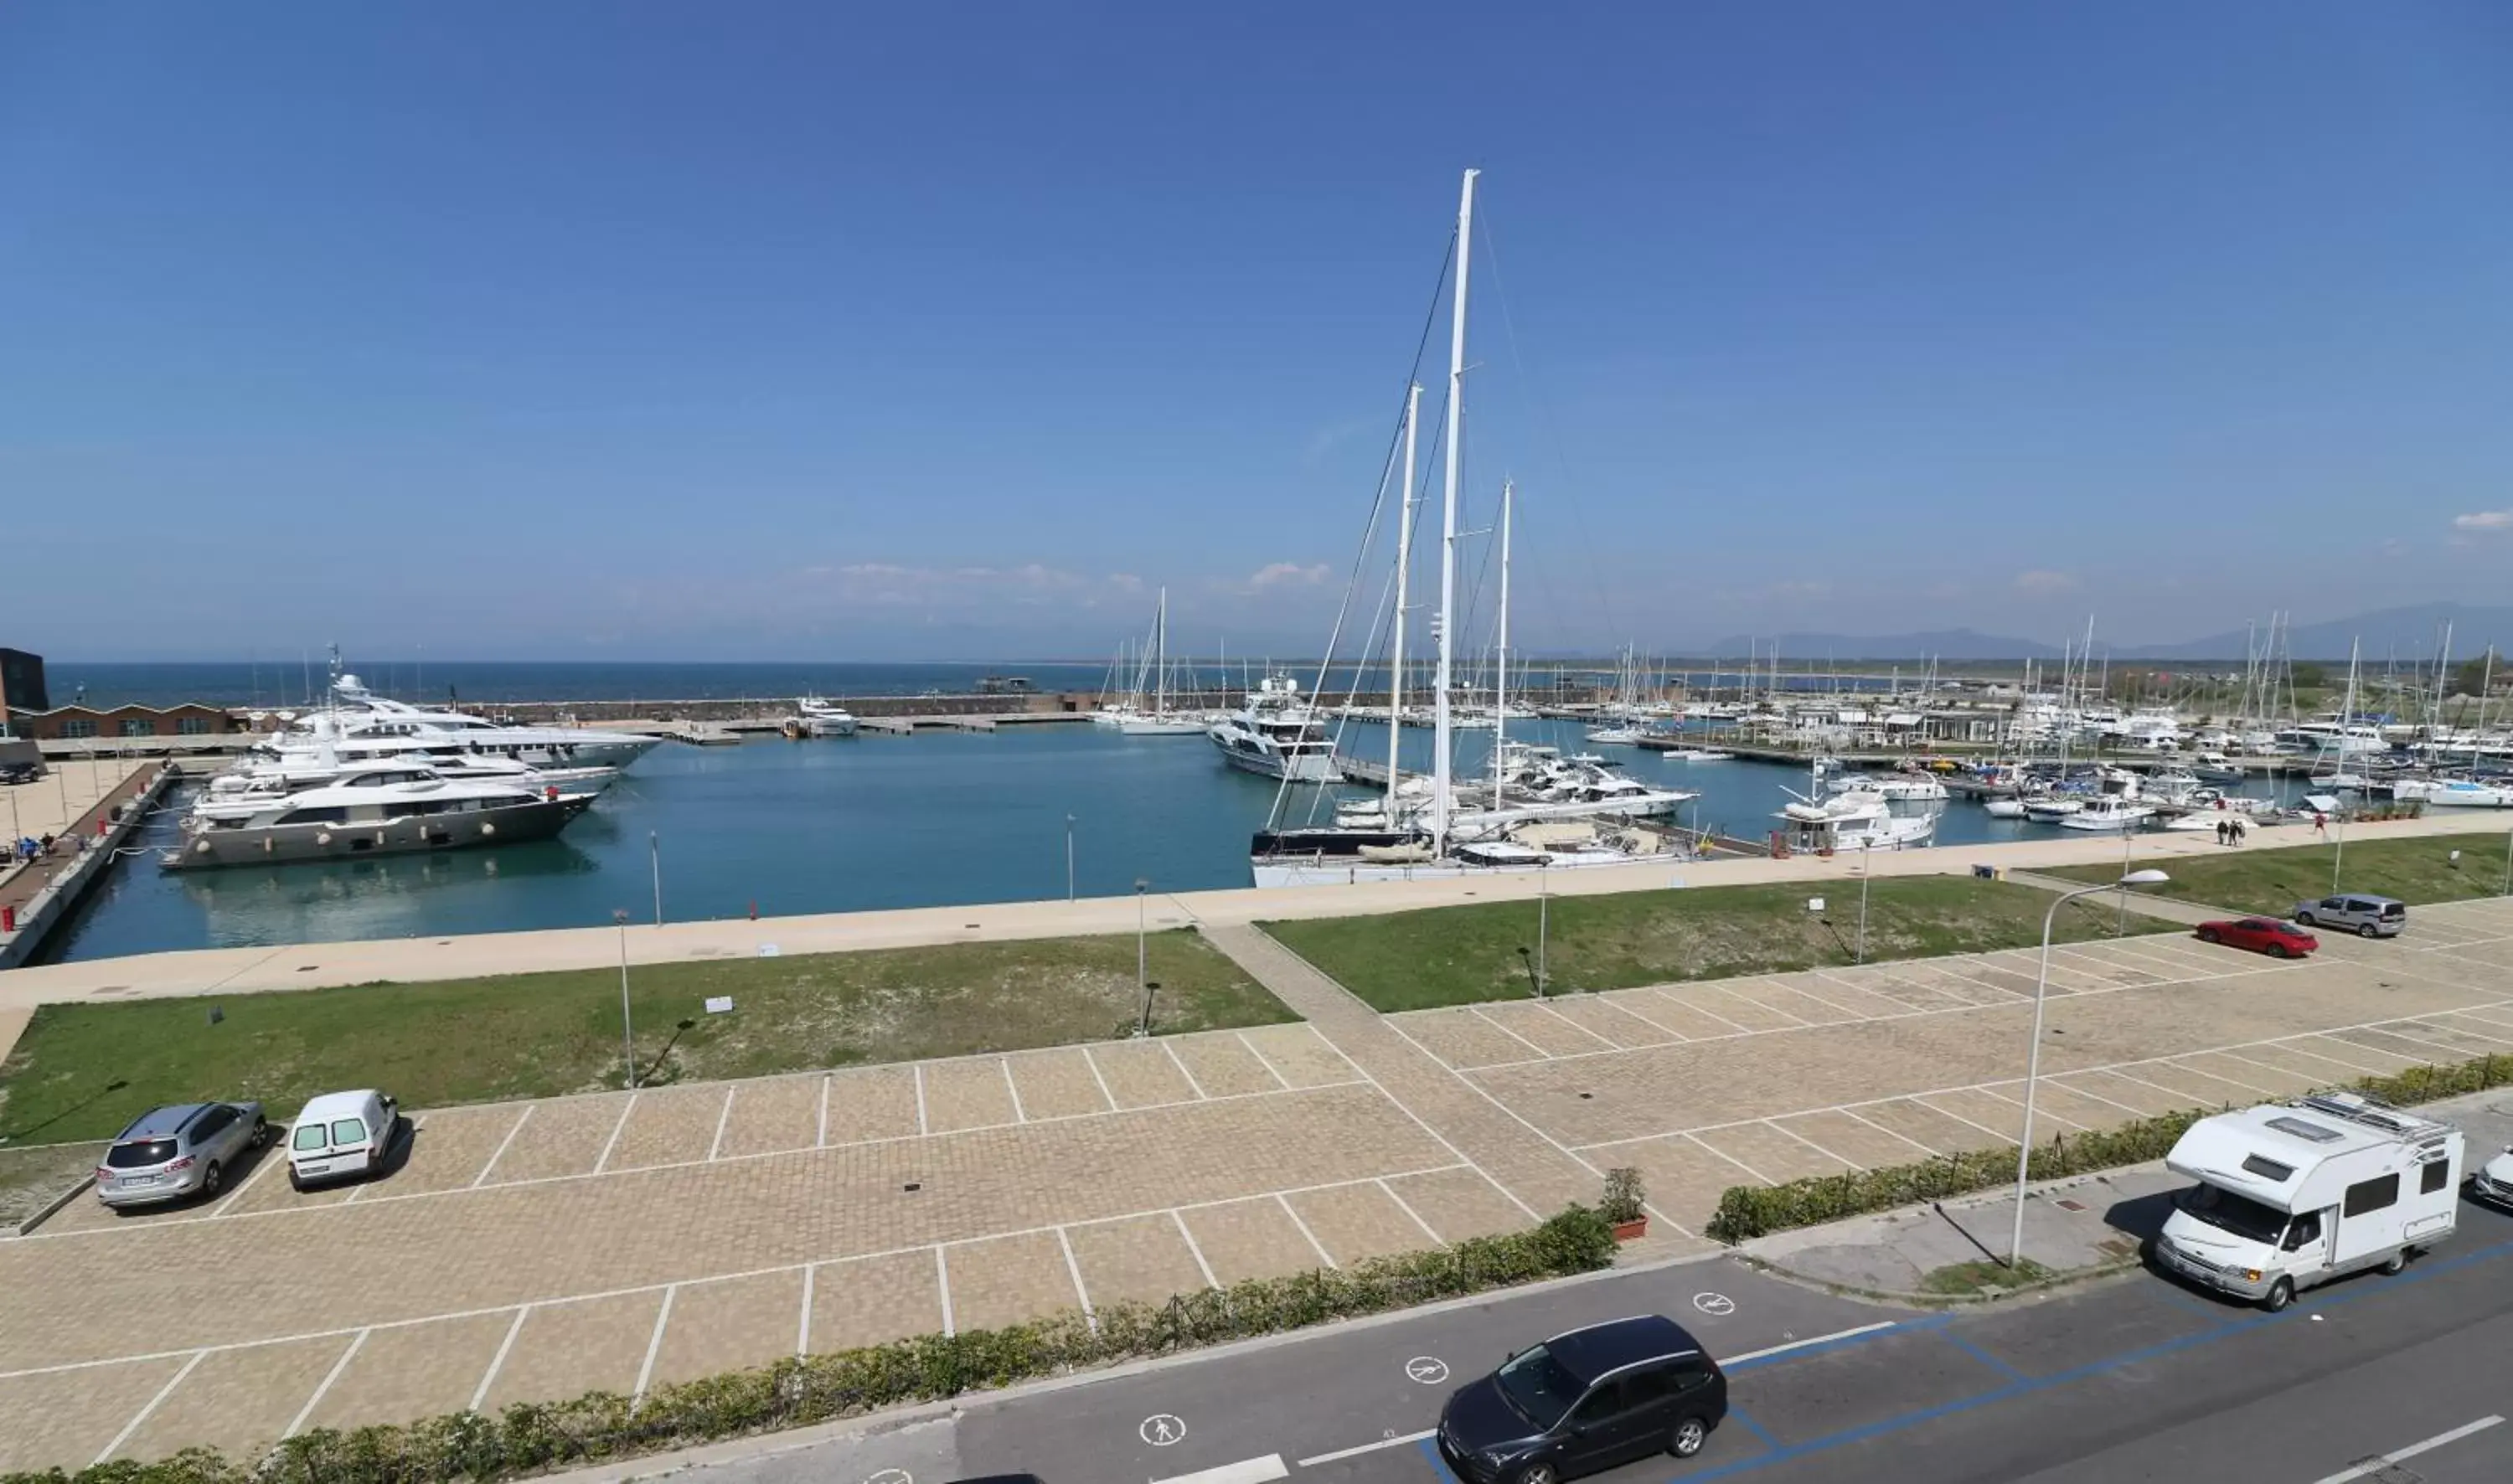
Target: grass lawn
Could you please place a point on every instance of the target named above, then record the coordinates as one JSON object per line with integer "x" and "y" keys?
{"x": 2413, "y": 869}
{"x": 84, "y": 1070}
{"x": 1447, "y": 956}
{"x": 1961, "y": 1279}
{"x": 29, "y": 1178}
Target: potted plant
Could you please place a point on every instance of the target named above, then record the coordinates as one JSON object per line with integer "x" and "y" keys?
{"x": 1622, "y": 1204}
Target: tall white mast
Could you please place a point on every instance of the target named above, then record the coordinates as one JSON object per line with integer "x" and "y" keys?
{"x": 1404, "y": 564}
{"x": 1449, "y": 519}
{"x": 1501, "y": 649}
{"x": 1161, "y": 657}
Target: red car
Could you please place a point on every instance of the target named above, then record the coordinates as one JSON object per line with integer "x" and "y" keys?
{"x": 2264, "y": 935}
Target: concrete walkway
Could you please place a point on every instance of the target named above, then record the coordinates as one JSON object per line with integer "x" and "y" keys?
{"x": 252, "y": 971}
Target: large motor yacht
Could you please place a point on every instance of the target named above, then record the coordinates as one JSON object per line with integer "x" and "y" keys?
{"x": 1277, "y": 734}
{"x": 388, "y": 810}
{"x": 363, "y": 726}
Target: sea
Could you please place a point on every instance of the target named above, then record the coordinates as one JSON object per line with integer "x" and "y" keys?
{"x": 776, "y": 827}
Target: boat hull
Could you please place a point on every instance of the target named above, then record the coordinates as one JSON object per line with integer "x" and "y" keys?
{"x": 284, "y": 845}
{"x": 1342, "y": 871}
{"x": 1297, "y": 768}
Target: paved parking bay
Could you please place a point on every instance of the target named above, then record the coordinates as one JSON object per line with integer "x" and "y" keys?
{"x": 627, "y": 1240}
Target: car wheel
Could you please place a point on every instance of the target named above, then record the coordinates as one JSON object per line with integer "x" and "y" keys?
{"x": 2398, "y": 1263}
{"x": 2275, "y": 950}
{"x": 210, "y": 1179}
{"x": 1539, "y": 1473}
{"x": 2211, "y": 935}
{"x": 2303, "y": 919}
{"x": 1689, "y": 1434}
{"x": 2364, "y": 932}
{"x": 2281, "y": 1294}
{"x": 295, "y": 1183}
{"x": 260, "y": 1133}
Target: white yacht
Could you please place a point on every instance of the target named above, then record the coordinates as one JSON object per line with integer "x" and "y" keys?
{"x": 2052, "y": 808}
{"x": 362, "y": 725}
{"x": 1277, "y": 735}
{"x": 388, "y": 809}
{"x": 276, "y": 778}
{"x": 2109, "y": 813}
{"x": 1855, "y": 821}
{"x": 816, "y": 718}
{"x": 2453, "y": 792}
{"x": 1899, "y": 788}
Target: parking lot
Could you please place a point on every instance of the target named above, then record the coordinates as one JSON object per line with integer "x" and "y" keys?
{"x": 618, "y": 1240}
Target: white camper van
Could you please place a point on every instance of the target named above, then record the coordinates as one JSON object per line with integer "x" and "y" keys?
{"x": 2291, "y": 1194}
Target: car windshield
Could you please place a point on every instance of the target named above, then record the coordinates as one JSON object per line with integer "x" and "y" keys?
{"x": 308, "y": 1136}
{"x": 1537, "y": 1388}
{"x": 140, "y": 1154}
{"x": 2238, "y": 1213}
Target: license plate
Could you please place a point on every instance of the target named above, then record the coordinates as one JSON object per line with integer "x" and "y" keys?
{"x": 133, "y": 1179}
{"x": 314, "y": 1169}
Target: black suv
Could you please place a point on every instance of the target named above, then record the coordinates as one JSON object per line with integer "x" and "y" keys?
{"x": 1585, "y": 1401}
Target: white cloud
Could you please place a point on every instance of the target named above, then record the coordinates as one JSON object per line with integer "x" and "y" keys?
{"x": 1274, "y": 574}
{"x": 2484, "y": 520}
{"x": 2045, "y": 581}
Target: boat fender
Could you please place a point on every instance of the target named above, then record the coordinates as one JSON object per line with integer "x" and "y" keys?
{"x": 323, "y": 839}
{"x": 267, "y": 845}
{"x": 550, "y": 792}
{"x": 202, "y": 846}
{"x": 488, "y": 827}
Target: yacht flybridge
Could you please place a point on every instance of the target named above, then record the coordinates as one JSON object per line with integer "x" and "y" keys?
{"x": 1533, "y": 813}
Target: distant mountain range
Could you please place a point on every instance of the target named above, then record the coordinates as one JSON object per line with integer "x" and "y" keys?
{"x": 2406, "y": 633}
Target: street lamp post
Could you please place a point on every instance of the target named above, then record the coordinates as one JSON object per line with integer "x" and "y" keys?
{"x": 654, "y": 856}
{"x": 2129, "y": 831}
{"x": 2034, "y": 1058}
{"x": 1143, "y": 963}
{"x": 1068, "y": 857}
{"x": 1543, "y": 923}
{"x": 1862, "y": 899}
{"x": 628, "y": 1034}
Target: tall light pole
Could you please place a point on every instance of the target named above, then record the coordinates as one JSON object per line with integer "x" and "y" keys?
{"x": 654, "y": 856}
{"x": 1142, "y": 969}
{"x": 2508, "y": 863}
{"x": 628, "y": 1034}
{"x": 1068, "y": 857}
{"x": 2129, "y": 831}
{"x": 1544, "y": 923}
{"x": 2034, "y": 1058}
{"x": 1862, "y": 898}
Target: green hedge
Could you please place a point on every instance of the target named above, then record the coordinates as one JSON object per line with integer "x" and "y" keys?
{"x": 1746, "y": 1212}
{"x": 530, "y": 1437}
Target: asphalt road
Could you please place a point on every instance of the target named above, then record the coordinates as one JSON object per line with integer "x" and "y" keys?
{"x": 2135, "y": 1378}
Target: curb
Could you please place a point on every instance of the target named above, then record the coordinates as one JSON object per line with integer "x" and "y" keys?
{"x": 1940, "y": 1301}
{"x": 59, "y": 1202}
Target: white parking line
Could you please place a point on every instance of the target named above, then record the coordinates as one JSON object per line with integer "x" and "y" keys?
{"x": 821, "y": 1140}
{"x": 275, "y": 1153}
{"x": 1178, "y": 1219}
{"x": 1669, "y": 1032}
{"x": 481, "y": 1179}
{"x": 1192, "y": 1085}
{"x": 1744, "y": 998}
{"x": 2041, "y": 1108}
{"x": 1437, "y": 1137}
{"x": 1732, "y": 1159}
{"x": 1407, "y": 1207}
{"x": 1262, "y": 1470}
{"x": 1020, "y": 1114}
{"x": 715, "y": 1146}
{"x": 654, "y": 1347}
{"x": 1093, "y": 1063}
{"x": 1882, "y": 1129}
{"x": 141, "y": 1416}
{"x": 803, "y": 1325}
{"x": 1799, "y": 1345}
{"x": 1341, "y": 1454}
{"x": 1851, "y": 1016}
{"x": 922, "y": 1127}
{"x": 1073, "y": 1269}
{"x": 297, "y": 1424}
{"x": 1705, "y": 1010}
{"x": 2134, "y": 1112}
{"x": 942, "y": 1282}
{"x": 1319, "y": 1247}
{"x": 1601, "y": 1041}
{"x": 1959, "y": 1119}
{"x": 1818, "y": 1147}
{"x": 497, "y": 1362}
{"x": 612, "y": 1143}
{"x": 1261, "y": 1060}
{"x": 2381, "y": 1463}
{"x": 1477, "y": 1011}
{"x": 2334, "y": 1061}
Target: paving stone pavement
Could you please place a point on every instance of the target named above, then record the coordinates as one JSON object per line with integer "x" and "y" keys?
{"x": 625, "y": 1241}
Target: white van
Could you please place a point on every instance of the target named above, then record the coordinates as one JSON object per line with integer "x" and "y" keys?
{"x": 2292, "y": 1194}
{"x": 341, "y": 1134}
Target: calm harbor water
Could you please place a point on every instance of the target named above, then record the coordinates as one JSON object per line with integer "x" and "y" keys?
{"x": 840, "y": 826}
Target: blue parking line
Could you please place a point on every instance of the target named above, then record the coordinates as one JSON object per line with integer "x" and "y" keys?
{"x": 1439, "y": 1464}
{"x": 1985, "y": 1357}
{"x": 1737, "y": 1415}
{"x": 2028, "y": 1387}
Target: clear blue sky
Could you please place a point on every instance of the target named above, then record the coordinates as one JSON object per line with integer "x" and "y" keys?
{"x": 765, "y": 331}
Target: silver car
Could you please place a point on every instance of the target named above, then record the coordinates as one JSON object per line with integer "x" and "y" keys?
{"x": 179, "y": 1150}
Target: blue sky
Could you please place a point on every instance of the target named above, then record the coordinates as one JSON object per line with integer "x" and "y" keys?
{"x": 759, "y": 331}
